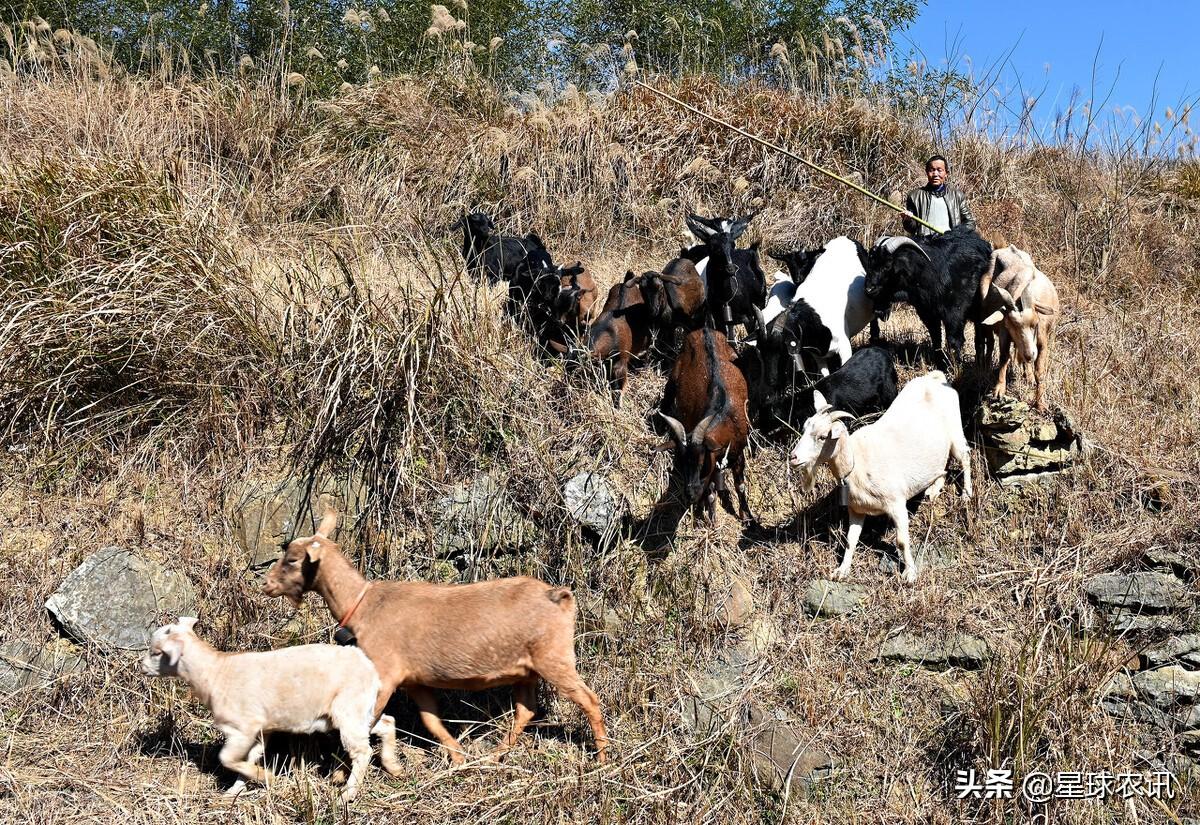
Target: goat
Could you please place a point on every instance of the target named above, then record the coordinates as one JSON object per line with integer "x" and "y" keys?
{"x": 1020, "y": 298}
{"x": 799, "y": 263}
{"x": 305, "y": 689}
{"x": 939, "y": 276}
{"x": 424, "y": 636}
{"x": 736, "y": 285}
{"x": 828, "y": 309}
{"x": 621, "y": 332}
{"x": 490, "y": 254}
{"x": 884, "y": 464}
{"x": 553, "y": 302}
{"x": 865, "y": 384}
{"x": 709, "y": 429}
{"x": 675, "y": 297}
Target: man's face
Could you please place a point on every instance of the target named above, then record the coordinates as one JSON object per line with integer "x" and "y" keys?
{"x": 936, "y": 172}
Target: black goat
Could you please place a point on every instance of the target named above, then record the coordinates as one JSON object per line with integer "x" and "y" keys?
{"x": 799, "y": 263}
{"x": 735, "y": 283}
{"x": 939, "y": 276}
{"x": 864, "y": 384}
{"x": 489, "y": 254}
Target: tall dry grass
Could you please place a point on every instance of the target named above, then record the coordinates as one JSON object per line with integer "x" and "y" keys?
{"x": 212, "y": 281}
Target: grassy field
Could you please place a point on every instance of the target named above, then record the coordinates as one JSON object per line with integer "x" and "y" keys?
{"x": 206, "y": 284}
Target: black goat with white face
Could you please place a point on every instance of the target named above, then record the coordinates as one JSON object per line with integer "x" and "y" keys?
{"x": 939, "y": 276}
{"x": 736, "y": 286}
{"x": 491, "y": 255}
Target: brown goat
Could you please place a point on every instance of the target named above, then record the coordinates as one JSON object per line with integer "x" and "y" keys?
{"x": 707, "y": 393}
{"x": 422, "y": 636}
{"x": 570, "y": 308}
{"x": 621, "y": 332}
{"x": 676, "y": 298}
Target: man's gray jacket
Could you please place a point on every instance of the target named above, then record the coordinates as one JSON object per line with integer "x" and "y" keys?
{"x": 956, "y": 207}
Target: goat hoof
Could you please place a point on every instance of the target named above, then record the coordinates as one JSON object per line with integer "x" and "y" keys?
{"x": 339, "y": 776}
{"x": 839, "y": 574}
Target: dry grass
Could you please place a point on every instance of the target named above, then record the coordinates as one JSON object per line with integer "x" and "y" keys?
{"x": 208, "y": 282}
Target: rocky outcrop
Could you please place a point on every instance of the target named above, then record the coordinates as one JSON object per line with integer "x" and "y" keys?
{"x": 479, "y": 519}
{"x": 958, "y": 650}
{"x": 1021, "y": 444}
{"x": 594, "y": 504}
{"x": 267, "y": 515}
{"x": 116, "y": 599}
{"x": 25, "y": 665}
{"x": 827, "y": 598}
{"x": 1146, "y": 600}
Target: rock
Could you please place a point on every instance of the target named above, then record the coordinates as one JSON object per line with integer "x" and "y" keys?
{"x": 1018, "y": 440}
{"x": 592, "y": 502}
{"x": 737, "y": 602}
{"x": 29, "y": 665}
{"x": 479, "y": 518}
{"x": 780, "y": 755}
{"x": 1162, "y": 558}
{"x": 826, "y": 598}
{"x": 927, "y": 558}
{"x": 714, "y": 702}
{"x": 959, "y": 650}
{"x": 1168, "y": 697}
{"x": 1139, "y": 601}
{"x": 266, "y": 516}
{"x": 116, "y": 599}
{"x": 1183, "y": 650}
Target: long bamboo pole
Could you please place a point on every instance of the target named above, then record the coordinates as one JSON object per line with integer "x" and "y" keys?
{"x": 782, "y": 151}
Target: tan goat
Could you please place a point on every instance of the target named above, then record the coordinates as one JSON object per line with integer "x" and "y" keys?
{"x": 1020, "y": 298}
{"x": 303, "y": 689}
{"x": 423, "y": 636}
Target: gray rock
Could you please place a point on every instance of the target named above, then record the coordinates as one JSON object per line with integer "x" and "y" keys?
{"x": 1139, "y": 601}
{"x": 1168, "y": 697}
{"x": 826, "y": 598}
{"x": 927, "y": 558}
{"x": 592, "y": 502}
{"x": 478, "y": 518}
{"x": 959, "y": 650}
{"x": 781, "y": 756}
{"x": 736, "y": 602}
{"x": 1182, "y": 650}
{"x": 267, "y": 516}
{"x": 29, "y": 665}
{"x": 1162, "y": 558}
{"x": 1019, "y": 441}
{"x": 116, "y": 599}
{"x": 714, "y": 701}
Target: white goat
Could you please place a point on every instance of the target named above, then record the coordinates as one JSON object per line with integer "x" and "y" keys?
{"x": 888, "y": 462}
{"x": 305, "y": 689}
{"x": 1018, "y": 296}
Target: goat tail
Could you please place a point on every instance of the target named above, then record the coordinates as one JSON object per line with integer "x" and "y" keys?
{"x": 562, "y": 597}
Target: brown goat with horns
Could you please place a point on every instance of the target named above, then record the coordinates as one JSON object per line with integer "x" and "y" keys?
{"x": 423, "y": 636}
{"x": 708, "y": 394}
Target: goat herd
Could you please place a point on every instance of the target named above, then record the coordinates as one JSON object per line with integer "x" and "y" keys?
{"x": 795, "y": 372}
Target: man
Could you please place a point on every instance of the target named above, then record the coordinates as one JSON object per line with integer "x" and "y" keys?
{"x": 936, "y": 203}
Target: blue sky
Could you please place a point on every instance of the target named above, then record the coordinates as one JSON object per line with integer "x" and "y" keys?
{"x": 1136, "y": 41}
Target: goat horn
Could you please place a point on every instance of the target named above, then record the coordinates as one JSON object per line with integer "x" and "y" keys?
{"x": 839, "y": 415}
{"x": 891, "y": 244}
{"x": 702, "y": 428}
{"x": 677, "y": 429}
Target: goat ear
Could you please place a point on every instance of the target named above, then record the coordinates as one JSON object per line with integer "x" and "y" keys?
{"x": 328, "y": 523}
{"x": 993, "y": 319}
{"x": 314, "y": 549}
{"x": 699, "y": 229}
{"x": 1044, "y": 310}
{"x": 187, "y": 623}
{"x": 171, "y": 648}
{"x": 629, "y": 276}
{"x": 663, "y": 446}
{"x": 739, "y": 227}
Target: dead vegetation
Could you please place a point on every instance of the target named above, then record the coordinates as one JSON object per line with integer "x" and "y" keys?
{"x": 206, "y": 281}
